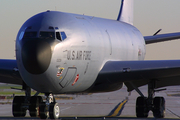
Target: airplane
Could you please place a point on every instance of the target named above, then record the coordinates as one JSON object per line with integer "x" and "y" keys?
{"x": 65, "y": 53}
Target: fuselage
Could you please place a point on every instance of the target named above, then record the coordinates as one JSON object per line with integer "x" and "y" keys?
{"x": 60, "y": 52}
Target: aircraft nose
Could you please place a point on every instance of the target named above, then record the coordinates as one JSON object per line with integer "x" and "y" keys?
{"x": 36, "y": 56}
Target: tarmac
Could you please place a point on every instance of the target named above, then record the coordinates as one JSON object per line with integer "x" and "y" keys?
{"x": 110, "y": 106}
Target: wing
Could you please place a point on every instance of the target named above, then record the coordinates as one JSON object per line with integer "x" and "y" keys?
{"x": 9, "y": 72}
{"x": 138, "y": 73}
{"x": 161, "y": 38}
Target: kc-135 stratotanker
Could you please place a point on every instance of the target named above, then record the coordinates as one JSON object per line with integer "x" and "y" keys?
{"x": 64, "y": 53}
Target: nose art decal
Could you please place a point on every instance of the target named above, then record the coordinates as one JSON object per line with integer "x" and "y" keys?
{"x": 76, "y": 79}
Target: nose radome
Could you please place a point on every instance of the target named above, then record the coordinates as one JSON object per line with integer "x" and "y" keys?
{"x": 36, "y": 56}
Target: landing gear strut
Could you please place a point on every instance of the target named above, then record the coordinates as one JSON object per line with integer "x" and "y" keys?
{"x": 35, "y": 105}
{"x": 155, "y": 104}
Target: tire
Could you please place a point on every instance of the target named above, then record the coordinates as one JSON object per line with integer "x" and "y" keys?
{"x": 141, "y": 107}
{"x": 43, "y": 111}
{"x": 17, "y": 107}
{"x": 159, "y": 107}
{"x": 54, "y": 111}
{"x": 34, "y": 105}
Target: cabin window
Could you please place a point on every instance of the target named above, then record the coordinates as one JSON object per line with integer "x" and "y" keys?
{"x": 46, "y": 34}
{"x": 30, "y": 34}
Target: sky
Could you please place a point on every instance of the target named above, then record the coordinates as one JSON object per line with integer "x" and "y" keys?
{"x": 149, "y": 16}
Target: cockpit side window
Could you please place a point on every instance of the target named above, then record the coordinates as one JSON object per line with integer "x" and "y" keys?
{"x": 30, "y": 34}
{"x": 61, "y": 36}
{"x": 43, "y": 34}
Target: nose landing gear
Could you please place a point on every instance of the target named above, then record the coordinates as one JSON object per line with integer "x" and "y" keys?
{"x": 49, "y": 108}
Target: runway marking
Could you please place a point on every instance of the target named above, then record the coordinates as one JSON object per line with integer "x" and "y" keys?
{"x": 173, "y": 113}
{"x": 83, "y": 103}
{"x": 65, "y": 108}
{"x": 118, "y": 109}
{"x": 68, "y": 107}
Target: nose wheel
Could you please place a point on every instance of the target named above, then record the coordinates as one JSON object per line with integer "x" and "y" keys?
{"x": 49, "y": 108}
{"x": 34, "y": 105}
{"x": 54, "y": 110}
{"x": 43, "y": 111}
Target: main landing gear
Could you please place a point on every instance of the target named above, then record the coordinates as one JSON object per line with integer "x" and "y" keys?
{"x": 155, "y": 104}
{"x": 35, "y": 105}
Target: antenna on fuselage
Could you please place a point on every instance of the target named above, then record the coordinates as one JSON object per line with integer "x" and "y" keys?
{"x": 157, "y": 32}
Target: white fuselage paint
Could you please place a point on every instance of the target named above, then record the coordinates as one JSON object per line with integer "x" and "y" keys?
{"x": 90, "y": 43}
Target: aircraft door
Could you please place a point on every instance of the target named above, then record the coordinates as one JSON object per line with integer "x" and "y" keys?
{"x": 69, "y": 76}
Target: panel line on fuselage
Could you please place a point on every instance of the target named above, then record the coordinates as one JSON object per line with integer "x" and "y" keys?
{"x": 110, "y": 44}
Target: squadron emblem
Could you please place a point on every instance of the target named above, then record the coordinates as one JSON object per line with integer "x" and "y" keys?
{"x": 60, "y": 71}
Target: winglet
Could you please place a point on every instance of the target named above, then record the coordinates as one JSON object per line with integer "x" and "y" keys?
{"x": 126, "y": 11}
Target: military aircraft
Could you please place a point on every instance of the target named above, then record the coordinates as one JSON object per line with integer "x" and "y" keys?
{"x": 62, "y": 53}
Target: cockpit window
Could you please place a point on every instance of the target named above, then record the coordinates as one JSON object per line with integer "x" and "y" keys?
{"x": 30, "y": 34}
{"x": 58, "y": 36}
{"x": 61, "y": 36}
{"x": 46, "y": 35}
